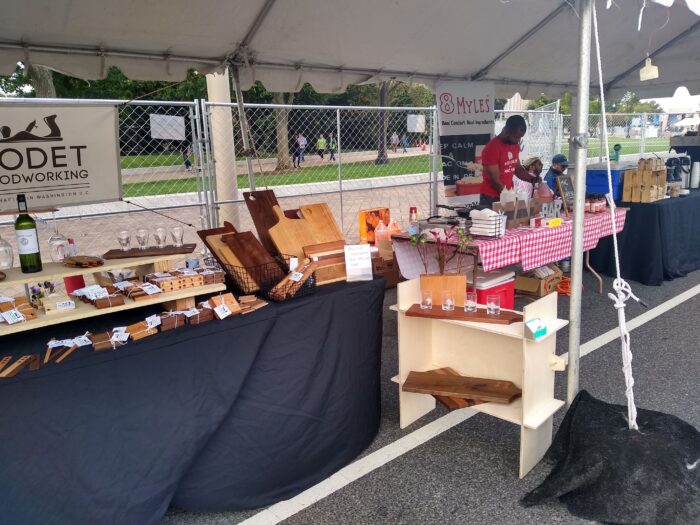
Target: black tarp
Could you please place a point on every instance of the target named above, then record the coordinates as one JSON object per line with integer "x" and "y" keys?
{"x": 227, "y": 415}
{"x": 605, "y": 472}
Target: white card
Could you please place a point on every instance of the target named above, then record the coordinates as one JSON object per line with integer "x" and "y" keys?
{"x": 120, "y": 337}
{"x": 65, "y": 305}
{"x": 60, "y": 342}
{"x": 81, "y": 341}
{"x": 191, "y": 312}
{"x": 153, "y": 321}
{"x": 293, "y": 263}
{"x": 4, "y": 299}
{"x": 296, "y": 276}
{"x": 13, "y": 316}
{"x": 205, "y": 304}
{"x": 161, "y": 275}
{"x": 123, "y": 285}
{"x": 222, "y": 311}
{"x": 206, "y": 272}
{"x": 358, "y": 262}
{"x": 119, "y": 329}
{"x": 150, "y": 289}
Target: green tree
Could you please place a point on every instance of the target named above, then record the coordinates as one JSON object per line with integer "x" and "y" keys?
{"x": 17, "y": 84}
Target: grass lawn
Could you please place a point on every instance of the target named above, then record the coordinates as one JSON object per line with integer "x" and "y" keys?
{"x": 312, "y": 174}
{"x": 629, "y": 146}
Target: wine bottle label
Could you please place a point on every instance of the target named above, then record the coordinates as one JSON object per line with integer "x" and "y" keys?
{"x": 27, "y": 242}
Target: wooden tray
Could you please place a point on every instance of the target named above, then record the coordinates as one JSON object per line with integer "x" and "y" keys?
{"x": 458, "y": 314}
{"x": 453, "y": 403}
{"x": 149, "y": 252}
{"x": 437, "y": 384}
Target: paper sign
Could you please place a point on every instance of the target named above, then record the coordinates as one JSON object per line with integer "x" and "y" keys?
{"x": 358, "y": 262}
{"x": 4, "y": 299}
{"x": 123, "y": 285}
{"x": 191, "y": 312}
{"x": 161, "y": 275}
{"x": 293, "y": 263}
{"x": 60, "y": 342}
{"x": 150, "y": 289}
{"x": 187, "y": 271}
{"x": 153, "y": 321}
{"x": 13, "y": 316}
{"x": 222, "y": 311}
{"x": 65, "y": 305}
{"x": 206, "y": 272}
{"x": 120, "y": 337}
{"x": 296, "y": 276}
{"x": 205, "y": 304}
{"x": 81, "y": 341}
{"x": 119, "y": 329}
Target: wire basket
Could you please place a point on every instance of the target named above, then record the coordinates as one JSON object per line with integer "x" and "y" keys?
{"x": 264, "y": 279}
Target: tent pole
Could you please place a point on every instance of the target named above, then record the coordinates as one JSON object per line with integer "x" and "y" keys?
{"x": 244, "y": 126}
{"x": 579, "y": 144}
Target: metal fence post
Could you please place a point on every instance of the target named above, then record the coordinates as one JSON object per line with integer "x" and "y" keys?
{"x": 200, "y": 165}
{"x": 435, "y": 150}
{"x": 209, "y": 151}
{"x": 340, "y": 169}
{"x": 643, "y": 137}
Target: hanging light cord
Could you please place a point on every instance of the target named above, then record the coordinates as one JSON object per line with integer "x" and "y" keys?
{"x": 623, "y": 291}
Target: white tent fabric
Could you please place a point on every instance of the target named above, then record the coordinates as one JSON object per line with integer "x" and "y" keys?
{"x": 528, "y": 46}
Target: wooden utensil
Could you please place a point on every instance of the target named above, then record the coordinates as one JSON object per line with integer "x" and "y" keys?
{"x": 259, "y": 263}
{"x": 321, "y": 222}
{"x": 291, "y": 235}
{"x": 4, "y": 361}
{"x": 488, "y": 390}
{"x": 260, "y": 204}
{"x": 16, "y": 367}
{"x": 287, "y": 288}
{"x": 458, "y": 314}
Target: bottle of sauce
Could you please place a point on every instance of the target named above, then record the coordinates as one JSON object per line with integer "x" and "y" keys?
{"x": 27, "y": 239}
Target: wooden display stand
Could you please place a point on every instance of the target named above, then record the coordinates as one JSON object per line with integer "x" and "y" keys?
{"x": 178, "y": 299}
{"x": 491, "y": 351}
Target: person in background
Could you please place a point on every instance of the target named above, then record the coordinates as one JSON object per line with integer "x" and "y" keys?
{"x": 533, "y": 165}
{"x": 558, "y": 167}
{"x": 302, "y": 146}
{"x": 321, "y": 145}
{"x": 615, "y": 154}
{"x": 332, "y": 146}
{"x": 501, "y": 161}
{"x": 296, "y": 151}
{"x": 185, "y": 149}
{"x": 404, "y": 143}
{"x": 394, "y": 142}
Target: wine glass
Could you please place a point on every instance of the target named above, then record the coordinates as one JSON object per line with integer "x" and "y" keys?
{"x": 177, "y": 233}
{"x": 58, "y": 244}
{"x": 142, "y": 238}
{"x": 161, "y": 236}
{"x": 124, "y": 238}
{"x": 6, "y": 254}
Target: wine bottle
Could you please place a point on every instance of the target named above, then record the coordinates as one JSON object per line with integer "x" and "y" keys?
{"x": 27, "y": 239}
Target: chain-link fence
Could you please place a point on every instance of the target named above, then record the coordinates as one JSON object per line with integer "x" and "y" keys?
{"x": 636, "y": 133}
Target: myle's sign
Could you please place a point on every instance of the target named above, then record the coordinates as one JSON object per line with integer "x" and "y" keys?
{"x": 58, "y": 155}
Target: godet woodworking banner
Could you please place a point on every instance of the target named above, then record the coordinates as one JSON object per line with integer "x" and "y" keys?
{"x": 58, "y": 155}
{"x": 466, "y": 123}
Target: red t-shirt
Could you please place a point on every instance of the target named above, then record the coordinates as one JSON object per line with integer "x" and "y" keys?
{"x": 506, "y": 157}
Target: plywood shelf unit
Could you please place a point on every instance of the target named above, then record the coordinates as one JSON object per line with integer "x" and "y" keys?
{"x": 55, "y": 271}
{"x": 490, "y": 351}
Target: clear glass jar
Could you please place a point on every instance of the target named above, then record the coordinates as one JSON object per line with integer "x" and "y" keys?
{"x": 6, "y": 255}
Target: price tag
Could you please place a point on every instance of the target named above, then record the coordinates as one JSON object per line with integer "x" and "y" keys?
{"x": 205, "y": 304}
{"x": 191, "y": 312}
{"x": 150, "y": 289}
{"x": 187, "y": 271}
{"x": 4, "y": 299}
{"x": 13, "y": 316}
{"x": 296, "y": 277}
{"x": 120, "y": 337}
{"x": 81, "y": 341}
{"x": 123, "y": 285}
{"x": 293, "y": 263}
{"x": 206, "y": 272}
{"x": 61, "y": 342}
{"x": 65, "y": 305}
{"x": 119, "y": 329}
{"x": 153, "y": 321}
{"x": 161, "y": 275}
{"x": 222, "y": 311}
{"x": 358, "y": 262}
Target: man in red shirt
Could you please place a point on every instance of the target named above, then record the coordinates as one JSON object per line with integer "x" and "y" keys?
{"x": 501, "y": 161}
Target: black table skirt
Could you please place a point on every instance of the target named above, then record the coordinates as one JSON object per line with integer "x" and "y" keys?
{"x": 227, "y": 415}
{"x": 661, "y": 241}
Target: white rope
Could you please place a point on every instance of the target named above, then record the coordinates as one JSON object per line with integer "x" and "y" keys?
{"x": 623, "y": 291}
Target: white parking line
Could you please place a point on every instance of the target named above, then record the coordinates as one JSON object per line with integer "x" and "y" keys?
{"x": 354, "y": 471}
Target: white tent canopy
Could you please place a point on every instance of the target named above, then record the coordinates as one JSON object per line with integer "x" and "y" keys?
{"x": 526, "y": 46}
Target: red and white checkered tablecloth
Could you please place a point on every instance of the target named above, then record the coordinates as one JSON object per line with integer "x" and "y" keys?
{"x": 498, "y": 253}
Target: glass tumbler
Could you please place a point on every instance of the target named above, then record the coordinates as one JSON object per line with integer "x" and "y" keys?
{"x": 124, "y": 238}
{"x": 470, "y": 303}
{"x": 142, "y": 238}
{"x": 426, "y": 300}
{"x": 177, "y": 233}
{"x": 161, "y": 236}
{"x": 448, "y": 301}
{"x": 493, "y": 304}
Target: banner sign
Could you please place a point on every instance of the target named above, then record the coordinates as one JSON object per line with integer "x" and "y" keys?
{"x": 58, "y": 155}
{"x": 167, "y": 127}
{"x": 466, "y": 124}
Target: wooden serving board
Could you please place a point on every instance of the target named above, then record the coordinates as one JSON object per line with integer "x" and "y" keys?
{"x": 458, "y": 314}
{"x": 225, "y": 256}
{"x": 149, "y": 252}
{"x": 487, "y": 390}
{"x": 291, "y": 235}
{"x": 260, "y": 204}
{"x": 453, "y": 403}
{"x": 321, "y": 222}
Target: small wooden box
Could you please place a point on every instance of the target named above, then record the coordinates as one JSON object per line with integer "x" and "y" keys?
{"x": 228, "y": 299}
{"x": 204, "y": 315}
{"x": 103, "y": 341}
{"x": 166, "y": 284}
{"x": 50, "y": 304}
{"x": 140, "y": 330}
{"x": 171, "y": 321}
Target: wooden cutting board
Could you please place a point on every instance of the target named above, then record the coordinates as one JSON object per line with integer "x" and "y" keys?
{"x": 291, "y": 235}
{"x": 260, "y": 204}
{"x": 259, "y": 263}
{"x": 436, "y": 384}
{"x": 321, "y": 222}
{"x": 226, "y": 256}
{"x": 453, "y": 403}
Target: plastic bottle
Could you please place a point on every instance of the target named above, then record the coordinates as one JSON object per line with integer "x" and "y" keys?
{"x": 413, "y": 227}
{"x": 381, "y": 232}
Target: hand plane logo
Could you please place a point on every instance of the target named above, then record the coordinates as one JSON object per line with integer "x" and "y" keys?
{"x": 28, "y": 135}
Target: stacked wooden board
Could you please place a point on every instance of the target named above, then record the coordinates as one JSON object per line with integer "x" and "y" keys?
{"x": 647, "y": 183}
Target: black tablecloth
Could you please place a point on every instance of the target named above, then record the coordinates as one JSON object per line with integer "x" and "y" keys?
{"x": 661, "y": 241}
{"x": 226, "y": 415}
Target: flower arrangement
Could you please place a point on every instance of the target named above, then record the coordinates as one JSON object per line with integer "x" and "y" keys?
{"x": 449, "y": 244}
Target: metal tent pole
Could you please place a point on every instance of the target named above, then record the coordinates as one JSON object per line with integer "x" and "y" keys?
{"x": 244, "y": 127}
{"x": 579, "y": 143}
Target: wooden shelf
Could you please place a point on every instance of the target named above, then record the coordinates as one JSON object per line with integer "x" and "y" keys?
{"x": 512, "y": 412}
{"x": 54, "y": 271}
{"x": 542, "y": 413}
{"x": 85, "y": 310}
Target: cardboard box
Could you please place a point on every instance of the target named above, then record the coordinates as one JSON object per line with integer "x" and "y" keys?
{"x": 530, "y": 284}
{"x": 368, "y": 220}
{"x": 389, "y": 269}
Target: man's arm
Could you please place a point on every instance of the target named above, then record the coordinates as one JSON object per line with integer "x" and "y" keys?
{"x": 494, "y": 176}
{"x": 522, "y": 174}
